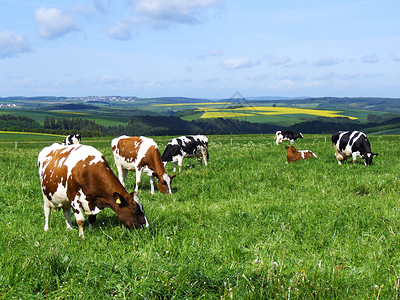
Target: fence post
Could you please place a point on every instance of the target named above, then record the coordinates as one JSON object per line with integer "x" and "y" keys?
{"x": 15, "y": 145}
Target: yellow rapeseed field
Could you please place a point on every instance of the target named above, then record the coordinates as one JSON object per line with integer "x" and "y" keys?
{"x": 267, "y": 110}
{"x": 225, "y": 114}
{"x": 193, "y": 104}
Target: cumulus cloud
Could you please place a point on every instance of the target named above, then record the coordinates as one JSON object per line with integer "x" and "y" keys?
{"x": 163, "y": 13}
{"x": 370, "y": 59}
{"x": 54, "y": 23}
{"x": 173, "y": 11}
{"x": 280, "y": 61}
{"x": 327, "y": 61}
{"x": 396, "y": 56}
{"x": 286, "y": 84}
{"x": 123, "y": 30}
{"x": 239, "y": 63}
{"x": 12, "y": 44}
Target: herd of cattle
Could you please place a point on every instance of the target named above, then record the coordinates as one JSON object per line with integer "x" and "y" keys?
{"x": 78, "y": 176}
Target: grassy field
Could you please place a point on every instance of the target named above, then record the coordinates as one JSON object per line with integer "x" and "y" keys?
{"x": 120, "y": 113}
{"x": 248, "y": 226}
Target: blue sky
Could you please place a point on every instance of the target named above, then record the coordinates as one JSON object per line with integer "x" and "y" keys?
{"x": 200, "y": 48}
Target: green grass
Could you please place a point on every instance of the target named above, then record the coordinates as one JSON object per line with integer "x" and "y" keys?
{"x": 248, "y": 226}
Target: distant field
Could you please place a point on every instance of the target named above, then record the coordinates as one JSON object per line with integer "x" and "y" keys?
{"x": 284, "y": 116}
{"x": 120, "y": 113}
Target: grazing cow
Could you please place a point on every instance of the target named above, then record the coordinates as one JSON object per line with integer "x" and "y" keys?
{"x": 72, "y": 139}
{"x": 140, "y": 154}
{"x": 287, "y": 136}
{"x": 352, "y": 143}
{"x": 295, "y": 155}
{"x": 186, "y": 146}
{"x": 78, "y": 176}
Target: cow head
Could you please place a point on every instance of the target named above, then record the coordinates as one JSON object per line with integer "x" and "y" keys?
{"x": 368, "y": 158}
{"x": 164, "y": 183}
{"x": 130, "y": 211}
{"x": 291, "y": 148}
{"x": 72, "y": 139}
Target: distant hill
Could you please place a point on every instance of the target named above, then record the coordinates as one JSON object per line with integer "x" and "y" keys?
{"x": 103, "y": 115}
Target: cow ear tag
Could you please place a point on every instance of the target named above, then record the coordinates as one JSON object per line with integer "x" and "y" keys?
{"x": 118, "y": 201}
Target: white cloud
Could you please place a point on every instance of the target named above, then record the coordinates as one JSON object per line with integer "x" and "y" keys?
{"x": 327, "y": 61}
{"x": 259, "y": 77}
{"x": 286, "y": 84}
{"x": 214, "y": 53}
{"x": 123, "y": 31}
{"x": 370, "y": 59}
{"x": 280, "y": 61}
{"x": 12, "y": 44}
{"x": 173, "y": 11}
{"x": 396, "y": 56}
{"x": 239, "y": 63}
{"x": 163, "y": 13}
{"x": 53, "y": 23}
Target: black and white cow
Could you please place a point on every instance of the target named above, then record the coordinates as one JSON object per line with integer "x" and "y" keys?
{"x": 72, "y": 139}
{"x": 186, "y": 146}
{"x": 352, "y": 144}
{"x": 287, "y": 136}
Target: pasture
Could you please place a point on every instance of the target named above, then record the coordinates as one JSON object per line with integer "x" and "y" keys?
{"x": 248, "y": 226}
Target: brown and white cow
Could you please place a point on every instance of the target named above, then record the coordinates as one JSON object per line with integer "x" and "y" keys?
{"x": 295, "y": 155}
{"x": 142, "y": 155}
{"x": 78, "y": 176}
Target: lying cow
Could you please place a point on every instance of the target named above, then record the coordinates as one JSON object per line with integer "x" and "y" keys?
{"x": 186, "y": 146}
{"x": 352, "y": 144}
{"x": 295, "y": 155}
{"x": 140, "y": 154}
{"x": 72, "y": 139}
{"x": 78, "y": 176}
{"x": 287, "y": 136}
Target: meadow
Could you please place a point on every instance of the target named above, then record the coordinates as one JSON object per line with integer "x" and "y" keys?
{"x": 247, "y": 226}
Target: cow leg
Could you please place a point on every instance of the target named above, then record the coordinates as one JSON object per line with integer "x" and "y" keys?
{"x": 199, "y": 159}
{"x": 122, "y": 175}
{"x": 138, "y": 176}
{"x": 67, "y": 216}
{"x": 122, "y": 172}
{"x": 204, "y": 151}
{"x": 80, "y": 220}
{"x": 180, "y": 160}
{"x": 92, "y": 219}
{"x": 292, "y": 141}
{"x": 152, "y": 185}
{"x": 354, "y": 155}
{"x": 339, "y": 156}
{"x": 47, "y": 211}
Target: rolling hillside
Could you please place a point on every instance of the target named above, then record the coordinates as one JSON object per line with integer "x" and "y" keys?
{"x": 234, "y": 115}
